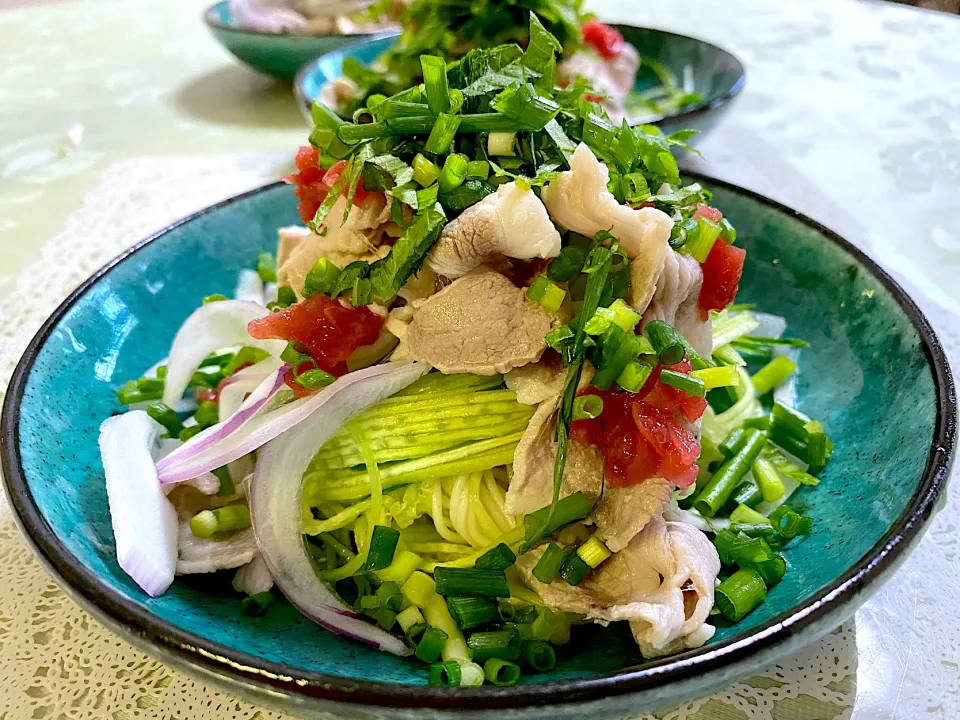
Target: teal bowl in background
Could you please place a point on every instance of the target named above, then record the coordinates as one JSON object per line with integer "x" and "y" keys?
{"x": 874, "y": 373}
{"x": 716, "y": 74}
{"x": 278, "y": 54}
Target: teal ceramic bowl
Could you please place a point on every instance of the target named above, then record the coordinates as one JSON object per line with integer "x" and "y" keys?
{"x": 278, "y": 54}
{"x": 875, "y": 374}
{"x": 716, "y": 74}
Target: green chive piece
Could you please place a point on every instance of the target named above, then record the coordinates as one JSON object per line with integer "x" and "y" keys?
{"x": 410, "y": 617}
{"x": 389, "y": 595}
{"x": 587, "y": 407}
{"x": 773, "y": 374}
{"x": 189, "y": 431}
{"x": 425, "y": 172}
{"x": 666, "y": 341}
{"x": 574, "y": 569}
{"x": 758, "y": 530}
{"x": 415, "y": 632}
{"x": 733, "y": 442}
{"x": 435, "y": 86}
{"x": 442, "y": 133}
{"x": 772, "y": 570}
{"x": 314, "y": 379}
{"x": 721, "y": 486}
{"x": 715, "y": 377}
{"x": 634, "y": 376}
{"x": 267, "y": 267}
{"x": 383, "y": 546}
{"x": 431, "y": 645}
{"x": 166, "y": 417}
{"x": 549, "y": 564}
{"x": 506, "y": 644}
{"x": 499, "y": 558}
{"x": 545, "y": 293}
{"x": 700, "y": 242}
{"x": 446, "y": 673}
{"x": 568, "y": 510}
{"x": 207, "y": 414}
{"x": 257, "y": 604}
{"x": 469, "y": 612}
{"x": 285, "y": 297}
{"x": 322, "y": 279}
{"x": 681, "y": 381}
{"x": 216, "y": 297}
{"x": 501, "y": 144}
{"x": 538, "y": 656}
{"x": 478, "y": 169}
{"x": 747, "y": 515}
{"x": 471, "y": 582}
{"x": 746, "y": 493}
{"x": 790, "y": 523}
{"x": 226, "y": 481}
{"x": 501, "y": 673}
{"x": 740, "y": 593}
{"x": 768, "y": 480}
{"x": 453, "y": 174}
{"x": 208, "y": 522}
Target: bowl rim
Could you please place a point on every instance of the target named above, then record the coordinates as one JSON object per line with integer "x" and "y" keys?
{"x": 214, "y": 23}
{"x": 221, "y": 661}
{"x": 700, "y": 108}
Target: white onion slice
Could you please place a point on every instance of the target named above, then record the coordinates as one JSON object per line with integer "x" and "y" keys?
{"x": 235, "y": 388}
{"x": 189, "y": 460}
{"x": 253, "y": 578}
{"x": 771, "y": 326}
{"x": 269, "y": 293}
{"x": 249, "y": 287}
{"x": 144, "y": 520}
{"x": 210, "y": 328}
{"x": 786, "y": 392}
{"x": 275, "y": 498}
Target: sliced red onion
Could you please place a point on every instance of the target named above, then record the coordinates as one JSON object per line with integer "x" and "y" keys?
{"x": 249, "y": 287}
{"x": 234, "y": 390}
{"x": 275, "y": 498}
{"x": 210, "y": 328}
{"x": 253, "y": 578}
{"x": 144, "y": 520}
{"x": 189, "y": 460}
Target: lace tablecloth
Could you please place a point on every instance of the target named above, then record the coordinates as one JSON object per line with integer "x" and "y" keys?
{"x": 850, "y": 115}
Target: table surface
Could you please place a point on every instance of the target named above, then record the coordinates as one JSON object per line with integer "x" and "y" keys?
{"x": 117, "y": 118}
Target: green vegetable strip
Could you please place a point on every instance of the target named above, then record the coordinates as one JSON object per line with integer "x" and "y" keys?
{"x": 768, "y": 480}
{"x": 681, "y": 381}
{"x": 733, "y": 442}
{"x": 721, "y": 486}
{"x": 447, "y": 673}
{"x": 442, "y": 133}
{"x": 208, "y": 522}
{"x": 570, "y": 509}
{"x": 471, "y": 582}
{"x": 538, "y": 656}
{"x": 549, "y": 564}
{"x": 744, "y": 514}
{"x": 469, "y": 612}
{"x": 501, "y": 673}
{"x": 772, "y": 374}
{"x": 435, "y": 83}
{"x": 437, "y": 383}
{"x": 383, "y": 545}
{"x": 500, "y": 557}
{"x": 790, "y": 523}
{"x": 574, "y": 569}
{"x": 431, "y": 645}
{"x": 740, "y": 593}
{"x": 505, "y": 644}
{"x": 666, "y": 342}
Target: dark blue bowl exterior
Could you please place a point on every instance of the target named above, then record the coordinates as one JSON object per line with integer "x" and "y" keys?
{"x": 893, "y": 396}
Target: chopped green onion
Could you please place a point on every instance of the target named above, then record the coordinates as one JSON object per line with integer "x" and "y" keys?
{"x": 471, "y": 582}
{"x": 501, "y": 143}
{"x": 418, "y": 588}
{"x": 469, "y": 612}
{"x": 383, "y": 545}
{"x": 501, "y": 673}
{"x": 351, "y": 134}
{"x": 226, "y": 481}
{"x": 285, "y": 297}
{"x": 545, "y": 293}
{"x": 525, "y": 106}
{"x": 409, "y": 617}
{"x": 574, "y": 569}
{"x": 189, "y": 431}
{"x": 593, "y": 552}
{"x": 666, "y": 341}
{"x": 538, "y": 655}
{"x": 768, "y": 480}
{"x": 559, "y": 337}
{"x": 727, "y": 231}
{"x": 634, "y": 376}
{"x": 257, "y": 604}
{"x": 567, "y": 264}
{"x": 435, "y": 83}
{"x": 740, "y": 593}
{"x": 790, "y": 523}
{"x": 587, "y": 407}
{"x": 681, "y": 381}
{"x": 772, "y": 570}
{"x": 446, "y": 673}
{"x": 618, "y": 313}
{"x": 415, "y": 631}
{"x": 755, "y": 530}
{"x": 746, "y": 493}
{"x": 232, "y": 517}
{"x": 322, "y": 279}
{"x": 747, "y": 515}
{"x": 425, "y": 173}
{"x": 403, "y": 566}
{"x": 314, "y": 379}
{"x": 549, "y": 564}
{"x": 389, "y": 596}
{"x": 431, "y": 645}
{"x": 700, "y": 242}
{"x": 267, "y": 267}
{"x": 442, "y": 134}
{"x": 739, "y": 549}
{"x": 453, "y": 174}
{"x": 478, "y": 169}
{"x": 166, "y": 417}
{"x": 567, "y": 510}
{"x": 757, "y": 423}
{"x": 790, "y": 420}
{"x": 619, "y": 349}
{"x": 721, "y": 486}
{"x": 733, "y": 442}
{"x": 772, "y": 374}
{"x": 498, "y": 558}
{"x": 469, "y": 193}
{"x": 504, "y": 644}
{"x": 714, "y": 377}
